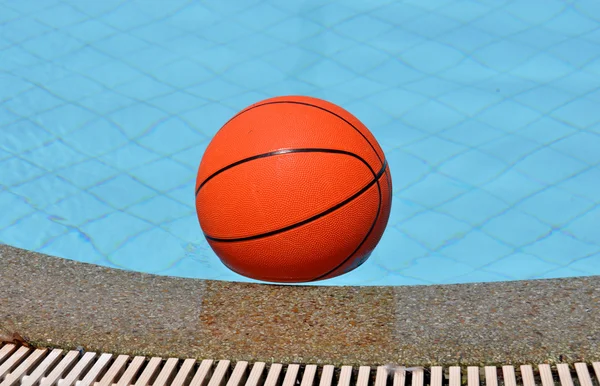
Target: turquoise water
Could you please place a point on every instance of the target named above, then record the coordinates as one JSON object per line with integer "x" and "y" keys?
{"x": 488, "y": 112}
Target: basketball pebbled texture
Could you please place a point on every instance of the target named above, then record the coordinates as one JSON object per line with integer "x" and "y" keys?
{"x": 293, "y": 189}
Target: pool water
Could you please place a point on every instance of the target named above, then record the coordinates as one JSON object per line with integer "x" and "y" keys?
{"x": 488, "y": 112}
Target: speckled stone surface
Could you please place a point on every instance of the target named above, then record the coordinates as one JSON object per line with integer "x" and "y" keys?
{"x": 61, "y": 303}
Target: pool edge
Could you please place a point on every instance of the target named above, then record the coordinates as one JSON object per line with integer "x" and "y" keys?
{"x": 103, "y": 309}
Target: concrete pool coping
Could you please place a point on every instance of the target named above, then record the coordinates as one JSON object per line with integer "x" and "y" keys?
{"x": 55, "y": 302}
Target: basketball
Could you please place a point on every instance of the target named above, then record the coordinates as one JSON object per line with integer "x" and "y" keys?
{"x": 293, "y": 189}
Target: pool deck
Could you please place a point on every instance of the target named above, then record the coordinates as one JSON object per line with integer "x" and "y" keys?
{"x": 60, "y": 303}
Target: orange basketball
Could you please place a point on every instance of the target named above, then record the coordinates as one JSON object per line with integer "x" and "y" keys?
{"x": 293, "y": 189}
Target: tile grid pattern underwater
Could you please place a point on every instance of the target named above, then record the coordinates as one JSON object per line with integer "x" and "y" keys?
{"x": 488, "y": 112}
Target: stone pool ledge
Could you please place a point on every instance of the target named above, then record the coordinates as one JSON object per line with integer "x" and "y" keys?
{"x": 61, "y": 303}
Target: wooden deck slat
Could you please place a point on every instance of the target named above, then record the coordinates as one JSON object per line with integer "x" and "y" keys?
{"x": 218, "y": 377}
{"x": 131, "y": 371}
{"x": 527, "y": 375}
{"x": 418, "y": 377}
{"x": 508, "y": 373}
{"x": 364, "y": 373}
{"x": 13, "y": 360}
{"x": 546, "y": 375}
{"x": 239, "y": 374}
{"x": 184, "y": 372}
{"x": 117, "y": 368}
{"x": 6, "y": 350}
{"x": 201, "y": 377}
{"x": 491, "y": 376}
{"x": 95, "y": 371}
{"x": 167, "y": 372}
{"x": 399, "y": 377}
{"x": 345, "y": 376}
{"x": 39, "y": 372}
{"x": 308, "y": 377}
{"x": 291, "y": 374}
{"x": 77, "y": 370}
{"x": 454, "y": 376}
{"x": 255, "y": 374}
{"x": 326, "y": 375}
{"x": 19, "y": 372}
{"x": 58, "y": 371}
{"x": 472, "y": 376}
{"x": 273, "y": 375}
{"x": 437, "y": 376}
{"x": 381, "y": 376}
{"x": 564, "y": 373}
{"x": 596, "y": 366}
{"x": 148, "y": 372}
{"x": 583, "y": 374}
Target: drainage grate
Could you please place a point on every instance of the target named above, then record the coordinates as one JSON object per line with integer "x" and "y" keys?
{"x": 25, "y": 366}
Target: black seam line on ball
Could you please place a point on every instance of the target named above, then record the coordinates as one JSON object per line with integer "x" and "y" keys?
{"x": 280, "y": 152}
{"x": 308, "y": 220}
{"x": 320, "y": 277}
{"x": 311, "y": 105}
{"x": 387, "y": 178}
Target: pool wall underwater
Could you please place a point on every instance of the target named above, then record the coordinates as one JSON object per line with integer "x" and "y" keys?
{"x": 62, "y": 303}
